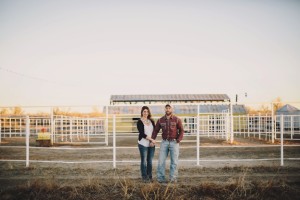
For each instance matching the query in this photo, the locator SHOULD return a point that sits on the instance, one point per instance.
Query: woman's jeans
(166, 147)
(147, 154)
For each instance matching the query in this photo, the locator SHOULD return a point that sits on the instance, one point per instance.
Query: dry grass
(124, 188)
(242, 183)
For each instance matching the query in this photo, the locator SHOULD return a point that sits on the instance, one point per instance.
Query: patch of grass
(125, 188)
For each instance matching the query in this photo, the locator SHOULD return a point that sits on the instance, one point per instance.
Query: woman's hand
(152, 144)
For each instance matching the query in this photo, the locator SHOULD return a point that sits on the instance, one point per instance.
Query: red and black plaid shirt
(171, 128)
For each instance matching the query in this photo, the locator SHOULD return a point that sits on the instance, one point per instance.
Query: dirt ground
(218, 165)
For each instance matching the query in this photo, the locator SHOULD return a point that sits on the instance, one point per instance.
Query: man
(172, 134)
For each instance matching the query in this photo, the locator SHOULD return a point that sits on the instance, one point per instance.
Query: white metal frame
(226, 118)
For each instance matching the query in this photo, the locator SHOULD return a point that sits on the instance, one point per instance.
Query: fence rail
(76, 129)
(87, 130)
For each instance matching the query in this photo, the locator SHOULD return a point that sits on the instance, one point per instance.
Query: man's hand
(152, 144)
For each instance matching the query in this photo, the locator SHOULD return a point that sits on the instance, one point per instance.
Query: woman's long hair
(146, 108)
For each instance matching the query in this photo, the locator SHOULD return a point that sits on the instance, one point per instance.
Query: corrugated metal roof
(288, 110)
(239, 109)
(169, 97)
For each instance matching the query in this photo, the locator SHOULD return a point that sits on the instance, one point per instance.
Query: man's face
(168, 110)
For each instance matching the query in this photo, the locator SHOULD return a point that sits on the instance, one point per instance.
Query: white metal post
(275, 127)
(114, 141)
(27, 140)
(208, 125)
(259, 122)
(16, 119)
(71, 129)
(61, 129)
(265, 128)
(214, 120)
(198, 136)
(20, 128)
(88, 129)
(227, 126)
(106, 126)
(248, 125)
(231, 123)
(81, 130)
(0, 129)
(281, 139)
(52, 126)
(10, 127)
(36, 126)
(272, 123)
(240, 131)
(77, 126)
(292, 126)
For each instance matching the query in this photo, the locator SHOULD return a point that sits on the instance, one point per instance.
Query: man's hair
(168, 105)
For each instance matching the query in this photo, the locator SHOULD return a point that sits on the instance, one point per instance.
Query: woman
(145, 126)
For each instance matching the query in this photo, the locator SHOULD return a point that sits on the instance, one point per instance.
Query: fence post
(275, 127)
(27, 140)
(52, 126)
(215, 126)
(259, 124)
(20, 128)
(265, 128)
(71, 129)
(77, 126)
(10, 127)
(61, 128)
(114, 141)
(198, 136)
(281, 139)
(231, 123)
(36, 125)
(292, 126)
(106, 126)
(0, 129)
(248, 125)
(240, 131)
(88, 129)
(227, 126)
(272, 124)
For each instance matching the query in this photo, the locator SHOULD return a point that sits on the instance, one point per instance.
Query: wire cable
(36, 78)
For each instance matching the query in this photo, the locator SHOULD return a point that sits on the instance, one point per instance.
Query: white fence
(85, 130)
(62, 128)
(267, 127)
(96, 130)
(79, 130)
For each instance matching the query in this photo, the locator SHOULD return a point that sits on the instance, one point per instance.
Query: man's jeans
(166, 147)
(147, 154)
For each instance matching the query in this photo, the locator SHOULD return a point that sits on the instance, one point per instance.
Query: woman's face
(145, 113)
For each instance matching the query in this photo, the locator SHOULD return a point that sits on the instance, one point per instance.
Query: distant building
(168, 98)
(119, 103)
(291, 119)
(288, 110)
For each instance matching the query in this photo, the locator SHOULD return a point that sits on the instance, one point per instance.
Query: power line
(35, 78)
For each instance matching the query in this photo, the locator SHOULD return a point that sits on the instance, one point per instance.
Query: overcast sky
(81, 52)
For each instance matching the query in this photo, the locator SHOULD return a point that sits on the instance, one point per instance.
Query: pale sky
(81, 52)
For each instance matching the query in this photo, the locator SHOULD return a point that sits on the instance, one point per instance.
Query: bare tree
(277, 104)
(95, 112)
(4, 111)
(263, 109)
(17, 111)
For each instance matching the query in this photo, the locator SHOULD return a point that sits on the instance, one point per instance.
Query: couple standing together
(172, 134)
